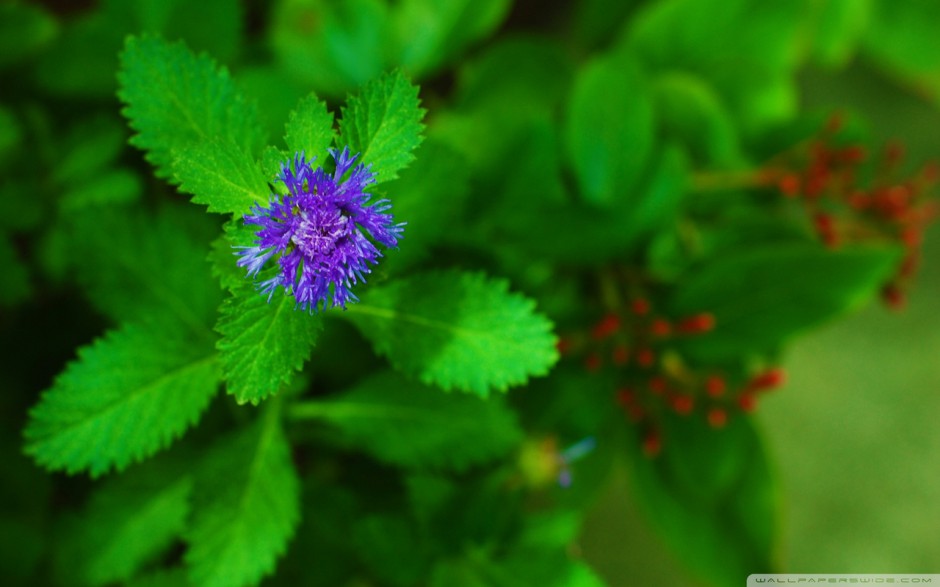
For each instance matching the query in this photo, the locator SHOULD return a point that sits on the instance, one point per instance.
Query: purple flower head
(319, 232)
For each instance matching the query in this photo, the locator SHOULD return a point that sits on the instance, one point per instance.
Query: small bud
(852, 154)
(747, 402)
(893, 297)
(640, 307)
(657, 385)
(767, 380)
(563, 346)
(625, 396)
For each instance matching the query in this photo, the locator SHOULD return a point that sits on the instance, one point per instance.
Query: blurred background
(855, 433)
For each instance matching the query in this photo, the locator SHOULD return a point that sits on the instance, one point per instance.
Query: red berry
(747, 402)
(682, 404)
(697, 324)
(660, 328)
(640, 307)
(563, 346)
(645, 358)
(892, 295)
(789, 185)
(715, 386)
(768, 380)
(657, 385)
(625, 396)
(652, 444)
(717, 417)
(607, 326)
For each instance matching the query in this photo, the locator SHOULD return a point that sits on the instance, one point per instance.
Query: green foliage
(127, 396)
(714, 499)
(609, 129)
(399, 421)
(175, 99)
(762, 297)
(618, 168)
(263, 343)
(247, 506)
(383, 123)
(310, 129)
(128, 523)
(457, 331)
(221, 176)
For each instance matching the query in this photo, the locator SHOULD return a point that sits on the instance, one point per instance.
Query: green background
(854, 433)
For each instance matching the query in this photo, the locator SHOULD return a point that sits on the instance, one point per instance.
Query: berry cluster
(652, 376)
(852, 199)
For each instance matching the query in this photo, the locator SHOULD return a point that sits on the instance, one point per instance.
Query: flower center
(316, 232)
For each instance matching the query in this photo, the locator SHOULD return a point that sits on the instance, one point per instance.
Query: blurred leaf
(747, 48)
(383, 123)
(431, 33)
(221, 176)
(84, 60)
(163, 578)
(127, 396)
(609, 129)
(10, 133)
(762, 296)
(314, 40)
(408, 424)
(389, 547)
(129, 522)
(89, 148)
(901, 39)
(15, 286)
(263, 343)
(25, 29)
(310, 129)
(596, 22)
(457, 330)
(275, 92)
(690, 112)
(175, 99)
(247, 507)
(114, 187)
(838, 28)
(430, 196)
(712, 497)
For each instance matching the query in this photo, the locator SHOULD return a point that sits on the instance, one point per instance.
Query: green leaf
(900, 39)
(24, 30)
(457, 330)
(135, 264)
(310, 129)
(314, 39)
(263, 344)
(15, 285)
(383, 123)
(763, 296)
(402, 422)
(247, 507)
(691, 112)
(129, 522)
(221, 176)
(89, 148)
(163, 578)
(609, 129)
(447, 28)
(127, 396)
(174, 99)
(712, 496)
(838, 27)
(115, 187)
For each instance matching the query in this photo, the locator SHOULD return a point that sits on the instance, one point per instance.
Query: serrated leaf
(406, 423)
(130, 520)
(263, 344)
(221, 176)
(135, 264)
(457, 330)
(247, 508)
(310, 129)
(383, 123)
(175, 99)
(127, 396)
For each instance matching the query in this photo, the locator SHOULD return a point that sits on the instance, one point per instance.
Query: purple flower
(320, 232)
